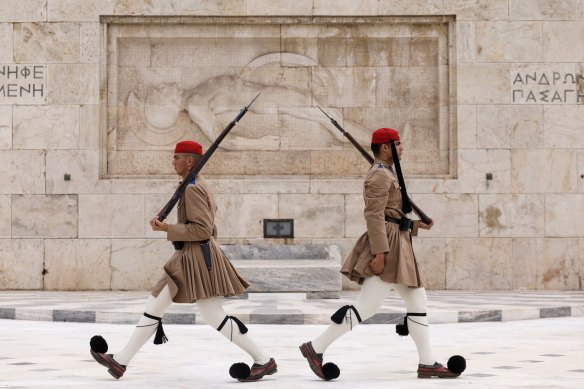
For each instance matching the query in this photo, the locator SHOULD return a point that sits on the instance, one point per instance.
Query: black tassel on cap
(160, 335)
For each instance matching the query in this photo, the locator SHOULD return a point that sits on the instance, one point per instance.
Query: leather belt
(404, 223)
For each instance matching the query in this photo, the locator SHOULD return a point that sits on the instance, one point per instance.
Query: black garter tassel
(160, 335)
(340, 314)
(402, 329)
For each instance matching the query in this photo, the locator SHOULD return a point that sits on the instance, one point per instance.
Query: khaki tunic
(382, 196)
(185, 272)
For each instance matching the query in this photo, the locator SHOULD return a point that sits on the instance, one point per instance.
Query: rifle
(425, 218)
(193, 173)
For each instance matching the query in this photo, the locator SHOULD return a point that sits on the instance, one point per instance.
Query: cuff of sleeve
(171, 234)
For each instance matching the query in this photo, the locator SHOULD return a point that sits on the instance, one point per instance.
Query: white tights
(211, 310)
(373, 292)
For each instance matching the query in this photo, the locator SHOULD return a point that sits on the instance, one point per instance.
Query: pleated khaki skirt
(401, 266)
(189, 280)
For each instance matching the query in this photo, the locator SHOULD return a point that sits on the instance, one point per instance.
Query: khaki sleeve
(376, 189)
(201, 223)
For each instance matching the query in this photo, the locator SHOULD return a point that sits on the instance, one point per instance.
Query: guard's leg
(147, 326)
(373, 292)
(417, 302)
(230, 327)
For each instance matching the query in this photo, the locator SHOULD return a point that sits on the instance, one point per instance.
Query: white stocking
(213, 313)
(373, 292)
(156, 306)
(416, 302)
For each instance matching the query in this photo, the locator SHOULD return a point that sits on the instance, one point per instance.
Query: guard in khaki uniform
(198, 272)
(383, 259)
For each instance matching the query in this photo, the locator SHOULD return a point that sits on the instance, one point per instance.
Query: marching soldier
(198, 272)
(381, 260)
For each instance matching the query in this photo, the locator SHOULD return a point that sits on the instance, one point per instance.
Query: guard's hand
(425, 226)
(377, 263)
(158, 225)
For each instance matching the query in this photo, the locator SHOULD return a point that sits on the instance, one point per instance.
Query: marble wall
(488, 95)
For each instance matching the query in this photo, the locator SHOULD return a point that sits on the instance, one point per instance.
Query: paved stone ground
(544, 353)
(443, 307)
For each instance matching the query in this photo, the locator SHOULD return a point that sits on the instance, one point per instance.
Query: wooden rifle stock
(163, 214)
(425, 218)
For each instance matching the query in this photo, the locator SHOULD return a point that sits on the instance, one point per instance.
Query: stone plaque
(167, 81)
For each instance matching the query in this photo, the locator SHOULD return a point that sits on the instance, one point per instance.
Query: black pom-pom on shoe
(239, 371)
(330, 371)
(98, 344)
(456, 364)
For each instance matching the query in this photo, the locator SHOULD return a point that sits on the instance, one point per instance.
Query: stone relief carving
(163, 88)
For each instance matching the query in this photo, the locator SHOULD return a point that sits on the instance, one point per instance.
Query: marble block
(275, 252)
(544, 171)
(46, 42)
(89, 134)
(21, 263)
(111, 216)
(504, 41)
(23, 11)
(431, 256)
(79, 10)
(89, 41)
(206, 7)
(454, 215)
(545, 9)
(551, 264)
(73, 84)
(17, 177)
(477, 9)
(315, 215)
(6, 43)
(137, 264)
(482, 83)
(563, 215)
(82, 166)
(45, 127)
(240, 216)
(563, 126)
(555, 36)
(466, 42)
(5, 216)
(5, 127)
(355, 224)
(278, 7)
(467, 126)
(80, 264)
(504, 126)
(479, 264)
(44, 216)
(474, 165)
(147, 7)
(345, 7)
(411, 7)
(505, 215)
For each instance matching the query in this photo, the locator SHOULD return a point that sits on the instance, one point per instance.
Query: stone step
(311, 269)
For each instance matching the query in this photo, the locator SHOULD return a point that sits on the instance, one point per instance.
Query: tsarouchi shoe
(107, 360)
(259, 371)
(435, 370)
(314, 359)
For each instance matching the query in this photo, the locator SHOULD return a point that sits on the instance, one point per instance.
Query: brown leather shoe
(107, 360)
(314, 359)
(259, 371)
(435, 370)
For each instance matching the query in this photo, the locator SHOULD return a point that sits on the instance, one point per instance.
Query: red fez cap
(384, 135)
(188, 146)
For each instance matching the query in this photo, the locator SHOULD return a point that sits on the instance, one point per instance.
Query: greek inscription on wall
(547, 87)
(23, 84)
(168, 82)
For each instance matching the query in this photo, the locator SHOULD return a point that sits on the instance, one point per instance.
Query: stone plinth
(311, 269)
